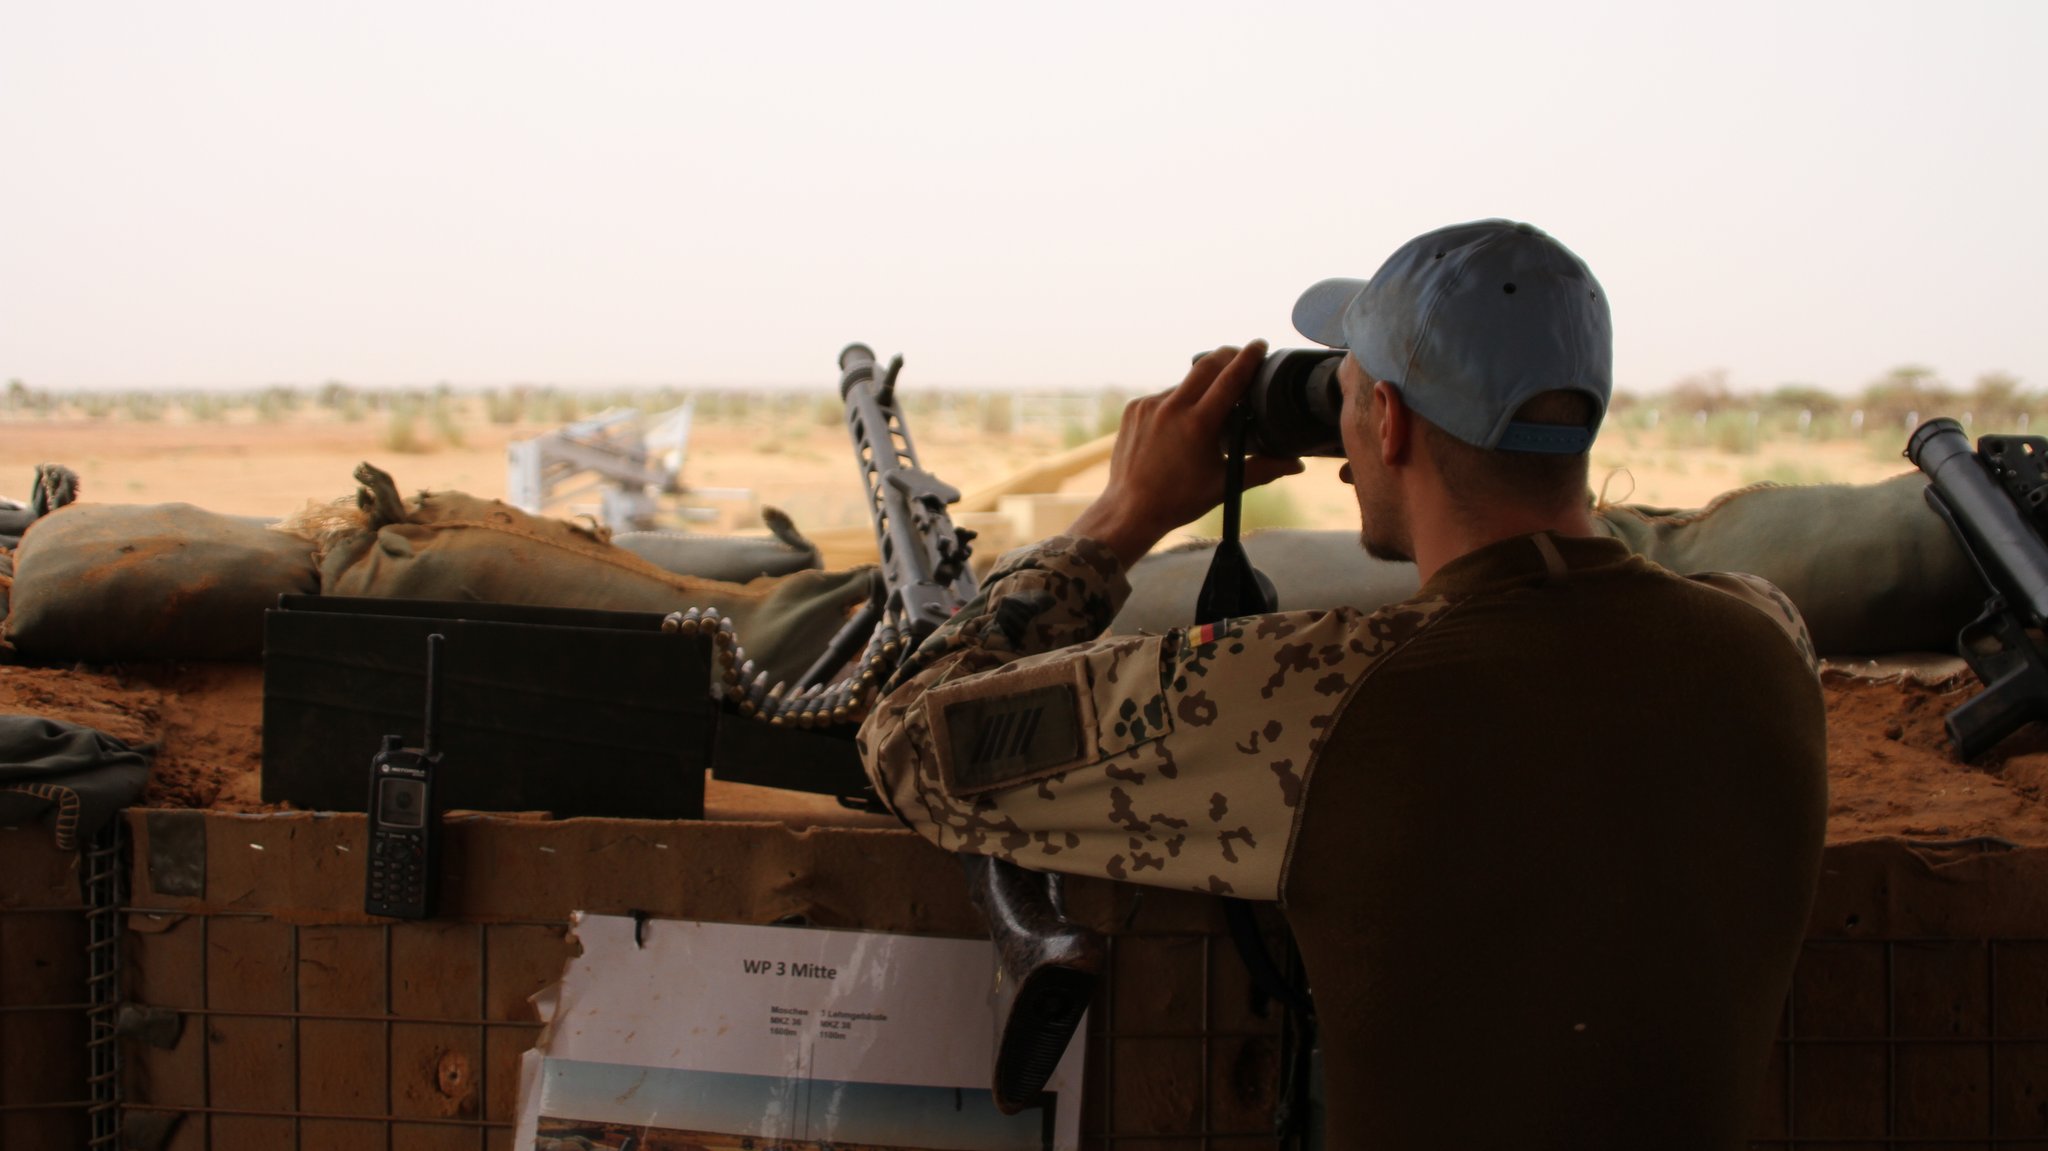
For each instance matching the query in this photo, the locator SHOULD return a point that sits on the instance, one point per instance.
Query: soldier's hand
(1168, 468)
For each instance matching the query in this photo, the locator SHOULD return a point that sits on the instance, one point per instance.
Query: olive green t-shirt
(1556, 861)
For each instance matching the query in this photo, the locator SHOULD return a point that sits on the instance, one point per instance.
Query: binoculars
(1292, 407)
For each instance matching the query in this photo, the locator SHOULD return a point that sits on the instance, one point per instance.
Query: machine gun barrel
(924, 556)
(1049, 964)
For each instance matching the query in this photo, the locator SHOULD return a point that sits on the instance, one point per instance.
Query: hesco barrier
(306, 1024)
(262, 1009)
(45, 1011)
(1918, 1015)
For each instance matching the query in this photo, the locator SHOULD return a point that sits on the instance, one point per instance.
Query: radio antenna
(434, 643)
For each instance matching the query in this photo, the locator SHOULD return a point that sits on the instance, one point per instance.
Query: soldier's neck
(1442, 533)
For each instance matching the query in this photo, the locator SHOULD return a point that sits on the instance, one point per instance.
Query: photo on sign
(593, 1106)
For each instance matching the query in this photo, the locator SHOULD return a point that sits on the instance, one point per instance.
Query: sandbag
(77, 776)
(1870, 566)
(110, 582)
(735, 559)
(457, 547)
(13, 522)
(6, 580)
(1309, 569)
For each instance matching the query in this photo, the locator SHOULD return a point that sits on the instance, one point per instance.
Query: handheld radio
(403, 873)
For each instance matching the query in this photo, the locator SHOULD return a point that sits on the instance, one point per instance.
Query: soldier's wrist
(1111, 525)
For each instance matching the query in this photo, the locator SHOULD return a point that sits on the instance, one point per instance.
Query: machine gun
(924, 557)
(1996, 501)
(1048, 965)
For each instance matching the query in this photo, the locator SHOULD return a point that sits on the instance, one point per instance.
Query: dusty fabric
(75, 776)
(113, 582)
(55, 486)
(733, 558)
(456, 547)
(1871, 566)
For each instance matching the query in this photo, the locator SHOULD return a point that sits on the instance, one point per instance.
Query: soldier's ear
(1396, 423)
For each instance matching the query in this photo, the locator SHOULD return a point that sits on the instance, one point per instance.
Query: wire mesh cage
(248, 1016)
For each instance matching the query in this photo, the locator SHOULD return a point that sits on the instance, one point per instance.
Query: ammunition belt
(737, 680)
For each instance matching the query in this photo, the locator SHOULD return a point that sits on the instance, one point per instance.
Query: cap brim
(1319, 313)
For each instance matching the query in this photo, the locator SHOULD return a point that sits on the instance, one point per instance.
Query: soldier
(1547, 832)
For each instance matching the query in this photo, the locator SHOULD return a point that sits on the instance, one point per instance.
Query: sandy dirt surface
(205, 721)
(1891, 771)
(270, 469)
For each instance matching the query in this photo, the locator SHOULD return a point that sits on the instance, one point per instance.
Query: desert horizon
(271, 452)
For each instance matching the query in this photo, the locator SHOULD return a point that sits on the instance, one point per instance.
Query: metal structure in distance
(629, 468)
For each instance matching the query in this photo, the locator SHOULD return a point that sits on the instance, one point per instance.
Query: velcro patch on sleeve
(1002, 731)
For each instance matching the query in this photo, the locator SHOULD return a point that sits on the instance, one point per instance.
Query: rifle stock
(1047, 965)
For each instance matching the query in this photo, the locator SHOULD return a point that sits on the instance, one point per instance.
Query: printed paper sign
(669, 1034)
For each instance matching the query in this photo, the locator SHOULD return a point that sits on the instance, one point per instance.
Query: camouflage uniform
(1177, 760)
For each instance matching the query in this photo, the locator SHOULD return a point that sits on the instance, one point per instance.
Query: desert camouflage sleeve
(1177, 760)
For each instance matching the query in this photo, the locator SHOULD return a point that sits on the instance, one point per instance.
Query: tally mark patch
(996, 741)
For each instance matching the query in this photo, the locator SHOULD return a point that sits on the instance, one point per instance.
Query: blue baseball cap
(1471, 321)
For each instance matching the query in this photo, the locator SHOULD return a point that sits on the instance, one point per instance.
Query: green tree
(1996, 399)
(1907, 392)
(1796, 398)
(1701, 392)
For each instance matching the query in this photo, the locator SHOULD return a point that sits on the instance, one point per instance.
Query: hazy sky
(1025, 193)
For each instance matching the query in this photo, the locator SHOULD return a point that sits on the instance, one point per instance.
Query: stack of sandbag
(452, 546)
(1871, 566)
(110, 582)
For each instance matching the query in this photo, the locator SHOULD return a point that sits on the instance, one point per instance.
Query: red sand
(1891, 770)
(1889, 760)
(206, 720)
